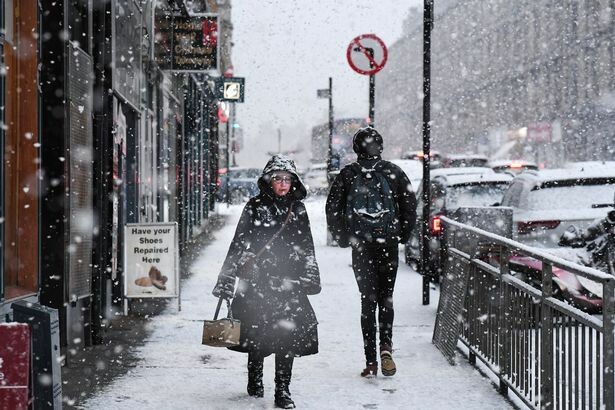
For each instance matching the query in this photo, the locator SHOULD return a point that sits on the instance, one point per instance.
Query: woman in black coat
(271, 296)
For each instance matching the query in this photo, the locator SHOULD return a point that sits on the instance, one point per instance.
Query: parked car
(464, 160)
(418, 155)
(545, 203)
(413, 170)
(452, 188)
(512, 166)
(590, 165)
(315, 179)
(243, 184)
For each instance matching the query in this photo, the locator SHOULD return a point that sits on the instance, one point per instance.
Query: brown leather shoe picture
(143, 281)
(158, 279)
(155, 278)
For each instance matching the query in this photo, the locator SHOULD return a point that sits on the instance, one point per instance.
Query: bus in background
(343, 131)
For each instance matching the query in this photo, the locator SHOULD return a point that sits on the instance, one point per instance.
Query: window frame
(2, 110)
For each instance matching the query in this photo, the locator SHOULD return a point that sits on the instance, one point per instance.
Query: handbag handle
(228, 306)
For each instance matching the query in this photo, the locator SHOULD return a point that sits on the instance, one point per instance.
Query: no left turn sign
(367, 54)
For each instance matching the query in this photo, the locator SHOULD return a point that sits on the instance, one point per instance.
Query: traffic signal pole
(425, 251)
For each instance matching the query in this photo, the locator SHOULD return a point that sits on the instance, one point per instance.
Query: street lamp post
(425, 251)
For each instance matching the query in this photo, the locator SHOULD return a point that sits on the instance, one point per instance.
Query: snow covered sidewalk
(177, 372)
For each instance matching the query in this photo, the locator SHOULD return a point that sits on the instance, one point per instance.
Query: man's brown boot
(370, 371)
(388, 365)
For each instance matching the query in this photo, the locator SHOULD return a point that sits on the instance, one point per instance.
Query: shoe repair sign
(151, 260)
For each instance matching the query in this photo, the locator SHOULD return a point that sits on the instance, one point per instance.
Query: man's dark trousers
(375, 269)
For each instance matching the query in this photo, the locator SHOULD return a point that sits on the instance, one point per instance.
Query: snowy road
(177, 372)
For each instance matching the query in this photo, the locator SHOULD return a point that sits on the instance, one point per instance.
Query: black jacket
(271, 303)
(338, 196)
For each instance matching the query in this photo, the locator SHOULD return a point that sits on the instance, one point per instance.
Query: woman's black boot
(283, 374)
(255, 376)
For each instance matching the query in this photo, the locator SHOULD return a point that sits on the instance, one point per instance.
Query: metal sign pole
(425, 254)
(372, 97)
(372, 88)
(232, 135)
(228, 160)
(330, 158)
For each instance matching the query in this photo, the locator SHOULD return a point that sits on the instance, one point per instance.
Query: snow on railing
(550, 353)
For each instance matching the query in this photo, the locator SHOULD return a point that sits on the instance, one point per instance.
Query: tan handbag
(221, 332)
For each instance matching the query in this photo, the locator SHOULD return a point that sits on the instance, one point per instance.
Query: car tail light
(435, 225)
(531, 226)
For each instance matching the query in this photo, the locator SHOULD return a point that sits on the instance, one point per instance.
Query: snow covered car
(452, 188)
(464, 160)
(413, 170)
(241, 185)
(545, 203)
(577, 290)
(315, 179)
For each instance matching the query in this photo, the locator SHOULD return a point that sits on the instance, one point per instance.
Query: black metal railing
(551, 354)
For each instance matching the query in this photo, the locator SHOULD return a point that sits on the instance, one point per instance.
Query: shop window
(20, 153)
(2, 75)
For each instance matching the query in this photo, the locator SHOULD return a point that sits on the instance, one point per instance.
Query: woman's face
(281, 183)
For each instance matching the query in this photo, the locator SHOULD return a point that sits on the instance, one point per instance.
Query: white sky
(286, 50)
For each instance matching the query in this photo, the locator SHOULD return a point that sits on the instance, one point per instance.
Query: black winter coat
(403, 196)
(272, 305)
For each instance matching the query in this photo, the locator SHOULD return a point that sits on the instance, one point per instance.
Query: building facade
(95, 135)
(540, 71)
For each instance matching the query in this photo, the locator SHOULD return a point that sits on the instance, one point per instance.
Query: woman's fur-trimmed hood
(282, 163)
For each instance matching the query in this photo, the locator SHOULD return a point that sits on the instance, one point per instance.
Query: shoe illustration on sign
(155, 278)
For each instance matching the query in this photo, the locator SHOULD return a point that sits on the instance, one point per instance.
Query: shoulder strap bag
(221, 332)
(246, 269)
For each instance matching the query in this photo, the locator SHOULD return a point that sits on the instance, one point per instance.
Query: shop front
(20, 164)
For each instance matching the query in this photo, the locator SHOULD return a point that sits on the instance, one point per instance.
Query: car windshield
(571, 197)
(467, 162)
(483, 194)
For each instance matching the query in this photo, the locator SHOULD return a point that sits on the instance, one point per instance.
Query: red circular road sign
(367, 54)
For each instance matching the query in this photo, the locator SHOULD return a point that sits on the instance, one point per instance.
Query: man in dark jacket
(372, 207)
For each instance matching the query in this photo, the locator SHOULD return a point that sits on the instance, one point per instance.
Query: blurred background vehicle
(452, 188)
(413, 169)
(242, 184)
(435, 157)
(546, 202)
(343, 131)
(590, 165)
(464, 160)
(315, 179)
(593, 247)
(512, 166)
